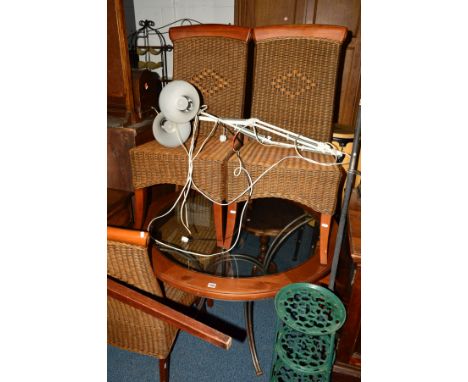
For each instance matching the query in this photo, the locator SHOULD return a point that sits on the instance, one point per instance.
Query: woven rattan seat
(213, 58)
(294, 81)
(294, 179)
(153, 164)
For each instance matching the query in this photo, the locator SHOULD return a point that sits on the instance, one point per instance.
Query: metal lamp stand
(350, 177)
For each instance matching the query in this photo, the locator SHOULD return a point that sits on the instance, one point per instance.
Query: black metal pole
(344, 210)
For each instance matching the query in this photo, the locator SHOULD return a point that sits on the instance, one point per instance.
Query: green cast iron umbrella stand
(308, 319)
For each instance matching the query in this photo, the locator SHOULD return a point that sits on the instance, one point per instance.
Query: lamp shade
(168, 133)
(179, 101)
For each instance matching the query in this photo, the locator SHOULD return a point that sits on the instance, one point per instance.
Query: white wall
(163, 12)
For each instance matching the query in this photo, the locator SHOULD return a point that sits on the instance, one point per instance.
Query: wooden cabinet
(120, 139)
(254, 13)
(130, 98)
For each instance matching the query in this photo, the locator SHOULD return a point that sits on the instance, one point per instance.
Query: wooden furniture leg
(350, 333)
(264, 240)
(141, 199)
(230, 224)
(209, 302)
(263, 247)
(219, 228)
(164, 370)
(325, 221)
(218, 222)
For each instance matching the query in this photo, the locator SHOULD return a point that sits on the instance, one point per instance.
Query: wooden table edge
(240, 289)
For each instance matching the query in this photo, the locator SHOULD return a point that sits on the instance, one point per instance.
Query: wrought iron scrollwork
(140, 45)
(154, 55)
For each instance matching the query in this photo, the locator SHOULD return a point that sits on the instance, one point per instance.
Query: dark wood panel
(346, 13)
(244, 13)
(301, 12)
(119, 92)
(119, 208)
(146, 87)
(349, 88)
(119, 141)
(266, 12)
(339, 12)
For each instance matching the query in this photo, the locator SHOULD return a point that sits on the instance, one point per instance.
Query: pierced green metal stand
(308, 318)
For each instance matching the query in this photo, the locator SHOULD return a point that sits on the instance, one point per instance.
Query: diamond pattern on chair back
(295, 80)
(215, 62)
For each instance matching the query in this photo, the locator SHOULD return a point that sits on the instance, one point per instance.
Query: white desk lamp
(180, 103)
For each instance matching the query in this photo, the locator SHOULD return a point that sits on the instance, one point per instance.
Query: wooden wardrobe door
(257, 13)
(348, 14)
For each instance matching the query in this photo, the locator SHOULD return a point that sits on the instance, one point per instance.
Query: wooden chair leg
(218, 222)
(230, 225)
(325, 221)
(164, 370)
(141, 198)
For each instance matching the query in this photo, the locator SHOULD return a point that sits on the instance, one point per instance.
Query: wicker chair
(214, 59)
(138, 316)
(294, 81)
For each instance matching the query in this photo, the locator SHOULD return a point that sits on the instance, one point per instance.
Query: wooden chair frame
(157, 309)
(260, 34)
(168, 314)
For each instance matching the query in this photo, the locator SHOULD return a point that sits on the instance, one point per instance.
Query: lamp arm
(300, 142)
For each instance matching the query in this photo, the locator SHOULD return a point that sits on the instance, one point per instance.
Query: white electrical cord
(185, 192)
(238, 232)
(237, 171)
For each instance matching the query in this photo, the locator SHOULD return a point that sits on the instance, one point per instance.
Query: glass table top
(197, 250)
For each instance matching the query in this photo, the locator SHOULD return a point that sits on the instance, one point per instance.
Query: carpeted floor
(195, 360)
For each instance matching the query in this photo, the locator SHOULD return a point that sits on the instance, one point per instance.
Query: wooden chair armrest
(167, 314)
(129, 236)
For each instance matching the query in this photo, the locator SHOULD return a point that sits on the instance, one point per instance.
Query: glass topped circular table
(237, 275)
